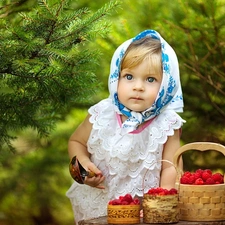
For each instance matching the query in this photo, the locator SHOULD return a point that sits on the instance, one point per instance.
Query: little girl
(133, 130)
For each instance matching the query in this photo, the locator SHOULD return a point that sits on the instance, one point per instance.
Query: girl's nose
(138, 86)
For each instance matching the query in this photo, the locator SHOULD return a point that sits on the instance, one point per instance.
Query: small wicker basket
(201, 202)
(123, 214)
(160, 209)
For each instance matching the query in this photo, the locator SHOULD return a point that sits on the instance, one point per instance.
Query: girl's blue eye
(129, 76)
(150, 79)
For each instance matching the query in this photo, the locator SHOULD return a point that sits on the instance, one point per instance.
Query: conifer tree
(46, 67)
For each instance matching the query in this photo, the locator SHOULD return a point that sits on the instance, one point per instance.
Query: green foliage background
(34, 178)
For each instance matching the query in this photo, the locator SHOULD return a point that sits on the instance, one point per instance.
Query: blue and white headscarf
(170, 93)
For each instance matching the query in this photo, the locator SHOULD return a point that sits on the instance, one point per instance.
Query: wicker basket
(123, 214)
(201, 202)
(160, 209)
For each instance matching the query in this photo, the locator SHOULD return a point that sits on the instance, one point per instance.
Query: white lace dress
(128, 162)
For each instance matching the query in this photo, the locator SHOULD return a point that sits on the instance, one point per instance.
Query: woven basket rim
(123, 206)
(203, 185)
(162, 196)
(199, 188)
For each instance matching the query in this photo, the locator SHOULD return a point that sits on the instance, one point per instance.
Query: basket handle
(201, 146)
(162, 160)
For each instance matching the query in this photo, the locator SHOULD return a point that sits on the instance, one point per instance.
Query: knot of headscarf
(170, 93)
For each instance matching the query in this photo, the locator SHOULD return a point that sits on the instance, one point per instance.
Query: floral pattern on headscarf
(170, 93)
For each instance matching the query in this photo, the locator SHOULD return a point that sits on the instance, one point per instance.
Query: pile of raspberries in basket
(202, 177)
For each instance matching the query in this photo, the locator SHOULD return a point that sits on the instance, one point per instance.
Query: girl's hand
(141, 213)
(95, 181)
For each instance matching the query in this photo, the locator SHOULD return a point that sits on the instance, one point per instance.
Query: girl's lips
(137, 98)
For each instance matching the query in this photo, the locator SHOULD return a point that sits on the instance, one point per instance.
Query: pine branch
(47, 67)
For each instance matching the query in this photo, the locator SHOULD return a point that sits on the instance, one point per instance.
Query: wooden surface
(103, 221)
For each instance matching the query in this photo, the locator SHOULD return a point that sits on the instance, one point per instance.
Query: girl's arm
(168, 172)
(77, 146)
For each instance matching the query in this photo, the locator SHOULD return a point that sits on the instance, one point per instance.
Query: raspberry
(121, 198)
(187, 174)
(136, 201)
(110, 202)
(167, 192)
(116, 202)
(128, 198)
(199, 181)
(125, 203)
(151, 191)
(210, 181)
(184, 180)
(197, 175)
(187, 178)
(208, 171)
(191, 179)
(200, 171)
(206, 175)
(173, 191)
(218, 177)
(159, 189)
(162, 193)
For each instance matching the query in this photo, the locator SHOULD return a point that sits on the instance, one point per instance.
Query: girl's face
(138, 86)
